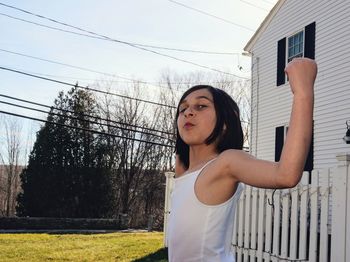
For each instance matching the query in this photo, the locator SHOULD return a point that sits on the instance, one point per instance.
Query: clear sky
(163, 23)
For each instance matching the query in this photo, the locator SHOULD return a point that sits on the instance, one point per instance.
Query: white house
(294, 28)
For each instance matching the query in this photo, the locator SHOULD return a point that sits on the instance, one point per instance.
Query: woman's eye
(182, 110)
(201, 106)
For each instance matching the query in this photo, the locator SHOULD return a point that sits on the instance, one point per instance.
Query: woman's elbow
(288, 180)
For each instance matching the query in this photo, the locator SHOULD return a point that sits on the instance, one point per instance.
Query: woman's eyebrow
(198, 97)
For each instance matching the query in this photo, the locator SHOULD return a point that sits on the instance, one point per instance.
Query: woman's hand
(301, 73)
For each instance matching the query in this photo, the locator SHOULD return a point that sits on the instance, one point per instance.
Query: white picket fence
(310, 222)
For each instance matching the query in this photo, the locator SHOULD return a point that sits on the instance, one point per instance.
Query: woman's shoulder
(232, 155)
(230, 158)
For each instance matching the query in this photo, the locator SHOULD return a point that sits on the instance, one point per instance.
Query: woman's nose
(188, 112)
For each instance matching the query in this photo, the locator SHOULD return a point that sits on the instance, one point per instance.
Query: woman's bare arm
(288, 171)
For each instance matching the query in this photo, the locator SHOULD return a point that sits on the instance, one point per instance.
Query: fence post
(341, 211)
(168, 188)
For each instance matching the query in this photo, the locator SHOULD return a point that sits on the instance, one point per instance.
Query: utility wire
(123, 42)
(95, 71)
(76, 67)
(214, 16)
(251, 4)
(84, 129)
(98, 36)
(85, 88)
(85, 120)
(269, 2)
(86, 115)
(89, 89)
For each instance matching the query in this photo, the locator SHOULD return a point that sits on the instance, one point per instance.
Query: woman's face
(197, 117)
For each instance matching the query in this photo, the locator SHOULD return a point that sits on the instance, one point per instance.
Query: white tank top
(196, 231)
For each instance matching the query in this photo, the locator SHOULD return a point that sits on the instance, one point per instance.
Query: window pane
(290, 51)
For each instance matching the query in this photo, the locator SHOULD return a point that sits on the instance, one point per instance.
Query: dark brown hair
(227, 114)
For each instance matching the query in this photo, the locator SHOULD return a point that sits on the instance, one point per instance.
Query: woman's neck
(200, 155)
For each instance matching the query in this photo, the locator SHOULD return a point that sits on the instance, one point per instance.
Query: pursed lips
(188, 125)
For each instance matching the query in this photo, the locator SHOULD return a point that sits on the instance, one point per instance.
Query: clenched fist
(302, 74)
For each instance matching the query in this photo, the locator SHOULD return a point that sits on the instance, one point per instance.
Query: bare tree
(10, 159)
(137, 168)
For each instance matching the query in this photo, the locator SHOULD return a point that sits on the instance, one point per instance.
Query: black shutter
(279, 141)
(309, 164)
(310, 41)
(281, 61)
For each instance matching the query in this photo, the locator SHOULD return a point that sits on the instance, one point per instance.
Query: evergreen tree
(64, 176)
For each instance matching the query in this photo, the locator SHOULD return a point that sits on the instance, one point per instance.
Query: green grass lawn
(83, 247)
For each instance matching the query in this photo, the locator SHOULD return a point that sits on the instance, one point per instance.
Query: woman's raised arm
(288, 171)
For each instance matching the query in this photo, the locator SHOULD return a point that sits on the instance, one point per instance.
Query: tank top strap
(207, 163)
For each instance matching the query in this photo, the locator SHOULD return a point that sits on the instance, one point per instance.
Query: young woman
(210, 165)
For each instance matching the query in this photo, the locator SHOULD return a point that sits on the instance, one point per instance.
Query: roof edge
(249, 46)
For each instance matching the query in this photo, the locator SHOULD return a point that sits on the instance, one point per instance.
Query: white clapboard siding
(271, 105)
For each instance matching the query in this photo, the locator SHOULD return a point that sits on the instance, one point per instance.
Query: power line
(95, 71)
(68, 65)
(84, 129)
(214, 16)
(259, 7)
(86, 115)
(123, 42)
(106, 37)
(85, 120)
(271, 3)
(85, 88)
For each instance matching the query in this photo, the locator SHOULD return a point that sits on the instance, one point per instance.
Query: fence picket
(235, 233)
(294, 224)
(304, 199)
(261, 225)
(247, 223)
(268, 225)
(276, 225)
(324, 195)
(241, 225)
(314, 217)
(254, 230)
(285, 223)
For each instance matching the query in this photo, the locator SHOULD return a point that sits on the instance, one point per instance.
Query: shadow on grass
(160, 255)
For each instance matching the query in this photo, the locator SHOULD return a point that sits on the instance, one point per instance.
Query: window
(296, 46)
(301, 44)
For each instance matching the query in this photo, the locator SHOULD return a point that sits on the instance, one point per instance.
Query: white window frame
(288, 59)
